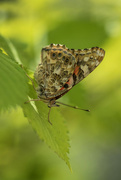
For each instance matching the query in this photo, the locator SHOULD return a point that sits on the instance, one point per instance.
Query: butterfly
(61, 69)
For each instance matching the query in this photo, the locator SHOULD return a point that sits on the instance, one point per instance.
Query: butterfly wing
(58, 65)
(62, 68)
(87, 61)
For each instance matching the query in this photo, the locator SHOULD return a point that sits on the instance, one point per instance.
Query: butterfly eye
(53, 55)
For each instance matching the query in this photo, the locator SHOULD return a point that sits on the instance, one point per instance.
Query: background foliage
(95, 151)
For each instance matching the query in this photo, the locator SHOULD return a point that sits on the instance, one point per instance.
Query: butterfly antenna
(49, 116)
(75, 107)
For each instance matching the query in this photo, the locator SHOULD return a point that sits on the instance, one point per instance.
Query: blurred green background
(95, 151)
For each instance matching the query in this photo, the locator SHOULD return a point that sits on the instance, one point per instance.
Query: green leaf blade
(14, 91)
(5, 44)
(14, 88)
(55, 135)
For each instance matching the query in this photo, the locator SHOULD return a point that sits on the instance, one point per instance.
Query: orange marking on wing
(62, 88)
(70, 83)
(76, 70)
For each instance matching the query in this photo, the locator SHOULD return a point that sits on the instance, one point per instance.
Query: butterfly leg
(50, 105)
(49, 116)
(32, 100)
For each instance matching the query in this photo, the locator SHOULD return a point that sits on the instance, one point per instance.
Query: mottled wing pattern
(87, 61)
(62, 68)
(58, 64)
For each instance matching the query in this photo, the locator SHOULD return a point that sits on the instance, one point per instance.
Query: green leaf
(55, 135)
(9, 48)
(13, 83)
(24, 52)
(14, 91)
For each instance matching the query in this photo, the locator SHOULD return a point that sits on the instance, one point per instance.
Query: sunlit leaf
(7, 46)
(14, 92)
(55, 135)
(13, 83)
(24, 52)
